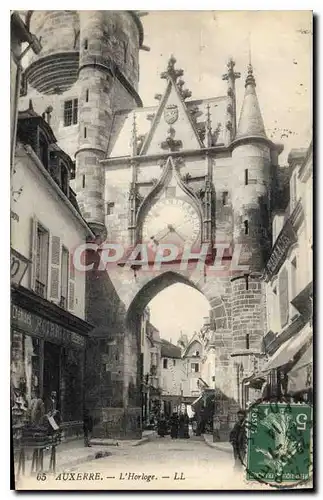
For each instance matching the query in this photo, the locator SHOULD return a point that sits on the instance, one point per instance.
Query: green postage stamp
(279, 443)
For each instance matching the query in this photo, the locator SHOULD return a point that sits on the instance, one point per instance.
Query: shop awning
(203, 384)
(287, 351)
(203, 399)
(256, 381)
(197, 402)
(300, 377)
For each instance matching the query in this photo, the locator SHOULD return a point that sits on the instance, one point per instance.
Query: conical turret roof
(250, 123)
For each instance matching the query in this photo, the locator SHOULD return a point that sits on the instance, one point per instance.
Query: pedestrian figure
(238, 439)
(183, 426)
(162, 426)
(51, 407)
(174, 424)
(87, 427)
(216, 428)
(186, 425)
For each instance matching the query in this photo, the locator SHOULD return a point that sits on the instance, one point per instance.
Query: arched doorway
(167, 327)
(116, 374)
(189, 370)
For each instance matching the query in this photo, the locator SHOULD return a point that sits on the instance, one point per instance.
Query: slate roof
(169, 350)
(250, 123)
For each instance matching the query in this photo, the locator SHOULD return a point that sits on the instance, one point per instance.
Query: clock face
(171, 220)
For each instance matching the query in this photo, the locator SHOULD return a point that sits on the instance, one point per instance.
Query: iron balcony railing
(63, 302)
(40, 288)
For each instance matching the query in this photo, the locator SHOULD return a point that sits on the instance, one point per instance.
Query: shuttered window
(283, 297)
(55, 268)
(71, 284)
(64, 278)
(39, 258)
(33, 250)
(42, 241)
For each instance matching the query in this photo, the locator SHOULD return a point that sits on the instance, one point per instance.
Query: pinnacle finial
(231, 64)
(250, 80)
(208, 117)
(231, 74)
(208, 127)
(134, 136)
(171, 72)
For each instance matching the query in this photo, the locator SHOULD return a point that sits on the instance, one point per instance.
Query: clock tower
(180, 172)
(188, 177)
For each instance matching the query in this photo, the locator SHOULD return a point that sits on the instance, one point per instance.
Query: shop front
(48, 348)
(288, 372)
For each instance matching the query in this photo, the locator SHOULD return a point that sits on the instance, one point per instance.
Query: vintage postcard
(161, 250)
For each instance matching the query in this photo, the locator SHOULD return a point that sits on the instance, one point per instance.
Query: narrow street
(161, 463)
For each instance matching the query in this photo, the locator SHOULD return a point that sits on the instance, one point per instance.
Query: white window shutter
(33, 251)
(283, 297)
(71, 284)
(54, 291)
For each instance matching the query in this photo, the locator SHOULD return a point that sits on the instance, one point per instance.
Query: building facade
(48, 328)
(289, 340)
(151, 372)
(185, 172)
(173, 377)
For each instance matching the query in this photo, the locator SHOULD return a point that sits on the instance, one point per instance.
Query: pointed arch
(160, 186)
(152, 288)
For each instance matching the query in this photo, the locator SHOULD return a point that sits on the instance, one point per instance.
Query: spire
(250, 122)
(250, 80)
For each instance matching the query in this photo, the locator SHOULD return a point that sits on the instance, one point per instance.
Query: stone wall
(248, 314)
(48, 23)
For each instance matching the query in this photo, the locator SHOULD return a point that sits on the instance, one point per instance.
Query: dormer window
(64, 178)
(43, 149)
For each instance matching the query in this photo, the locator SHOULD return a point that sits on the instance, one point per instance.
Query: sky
(202, 41)
(178, 308)
(279, 44)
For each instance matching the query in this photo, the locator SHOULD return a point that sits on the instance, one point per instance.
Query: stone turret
(251, 155)
(250, 123)
(87, 70)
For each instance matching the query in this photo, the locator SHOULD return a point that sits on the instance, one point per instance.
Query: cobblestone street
(157, 464)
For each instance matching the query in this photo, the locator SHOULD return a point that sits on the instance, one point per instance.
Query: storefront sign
(77, 339)
(286, 238)
(43, 328)
(18, 267)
